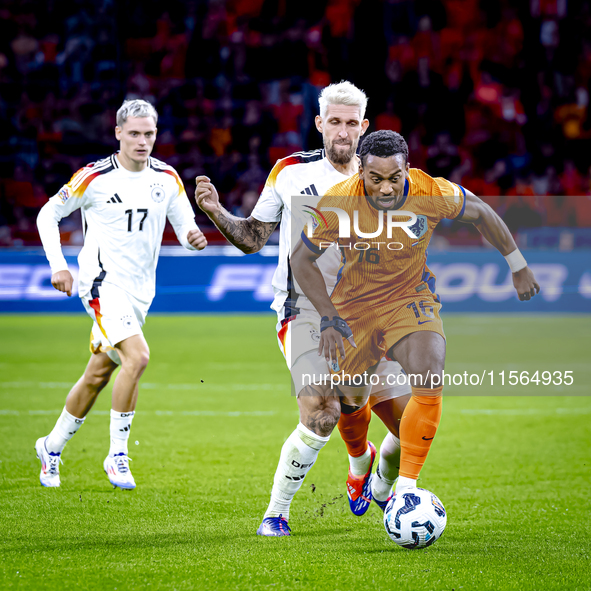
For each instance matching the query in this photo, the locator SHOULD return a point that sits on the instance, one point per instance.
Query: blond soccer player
(341, 121)
(125, 200)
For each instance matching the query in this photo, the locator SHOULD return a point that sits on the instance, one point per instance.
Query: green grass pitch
(511, 465)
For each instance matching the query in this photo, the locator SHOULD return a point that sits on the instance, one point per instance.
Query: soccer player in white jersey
(341, 122)
(124, 200)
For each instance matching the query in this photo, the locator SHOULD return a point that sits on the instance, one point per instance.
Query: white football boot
(117, 469)
(50, 464)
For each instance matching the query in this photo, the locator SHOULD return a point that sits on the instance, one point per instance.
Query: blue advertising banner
(224, 280)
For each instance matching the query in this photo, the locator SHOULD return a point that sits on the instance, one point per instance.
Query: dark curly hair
(383, 144)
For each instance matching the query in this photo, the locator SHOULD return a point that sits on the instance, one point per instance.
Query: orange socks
(417, 429)
(418, 426)
(353, 428)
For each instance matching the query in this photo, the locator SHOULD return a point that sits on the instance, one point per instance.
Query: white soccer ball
(415, 518)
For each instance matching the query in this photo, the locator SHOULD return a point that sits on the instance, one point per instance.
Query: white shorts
(298, 337)
(117, 316)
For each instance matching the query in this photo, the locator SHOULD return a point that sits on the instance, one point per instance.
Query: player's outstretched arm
(494, 229)
(247, 234)
(310, 279)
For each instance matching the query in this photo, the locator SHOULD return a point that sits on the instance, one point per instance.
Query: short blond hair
(342, 93)
(135, 108)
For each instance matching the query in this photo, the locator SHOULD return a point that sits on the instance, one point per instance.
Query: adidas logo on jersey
(311, 190)
(115, 199)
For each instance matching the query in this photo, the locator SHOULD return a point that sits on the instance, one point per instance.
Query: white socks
(389, 464)
(298, 455)
(360, 465)
(67, 425)
(404, 482)
(64, 430)
(120, 430)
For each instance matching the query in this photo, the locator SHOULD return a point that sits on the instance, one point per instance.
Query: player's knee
(137, 362)
(323, 418)
(143, 360)
(140, 362)
(331, 418)
(328, 416)
(423, 378)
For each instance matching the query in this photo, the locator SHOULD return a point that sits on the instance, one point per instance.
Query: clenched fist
(525, 284)
(63, 281)
(197, 239)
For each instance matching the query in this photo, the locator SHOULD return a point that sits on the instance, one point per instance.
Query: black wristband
(338, 324)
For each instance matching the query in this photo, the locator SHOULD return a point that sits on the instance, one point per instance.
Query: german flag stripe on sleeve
(178, 180)
(296, 158)
(83, 177)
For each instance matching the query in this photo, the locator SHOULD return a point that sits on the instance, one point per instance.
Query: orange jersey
(391, 264)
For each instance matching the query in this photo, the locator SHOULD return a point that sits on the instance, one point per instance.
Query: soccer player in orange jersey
(307, 175)
(383, 218)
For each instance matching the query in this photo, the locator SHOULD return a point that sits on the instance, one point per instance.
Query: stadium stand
(489, 94)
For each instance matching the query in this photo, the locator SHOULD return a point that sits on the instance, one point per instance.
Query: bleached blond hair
(342, 93)
(135, 108)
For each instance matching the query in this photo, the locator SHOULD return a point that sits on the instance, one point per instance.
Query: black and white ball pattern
(415, 518)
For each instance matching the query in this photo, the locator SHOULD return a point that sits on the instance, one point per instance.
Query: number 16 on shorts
(423, 312)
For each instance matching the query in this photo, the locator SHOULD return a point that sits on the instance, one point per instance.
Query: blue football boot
(274, 526)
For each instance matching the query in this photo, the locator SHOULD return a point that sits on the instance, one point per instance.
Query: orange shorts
(377, 329)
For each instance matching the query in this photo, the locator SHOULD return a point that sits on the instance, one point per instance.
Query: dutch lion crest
(419, 228)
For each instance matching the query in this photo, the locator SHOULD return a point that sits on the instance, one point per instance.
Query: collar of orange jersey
(398, 205)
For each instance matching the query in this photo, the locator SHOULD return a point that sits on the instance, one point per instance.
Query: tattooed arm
(247, 234)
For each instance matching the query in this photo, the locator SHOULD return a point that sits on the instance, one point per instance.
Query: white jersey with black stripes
(309, 174)
(124, 214)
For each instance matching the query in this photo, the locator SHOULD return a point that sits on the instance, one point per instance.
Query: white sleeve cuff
(182, 235)
(58, 264)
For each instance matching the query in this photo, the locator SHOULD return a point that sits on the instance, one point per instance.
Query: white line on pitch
(265, 413)
(13, 385)
(159, 413)
(149, 386)
(525, 411)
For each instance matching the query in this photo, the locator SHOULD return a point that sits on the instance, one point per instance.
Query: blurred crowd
(493, 95)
